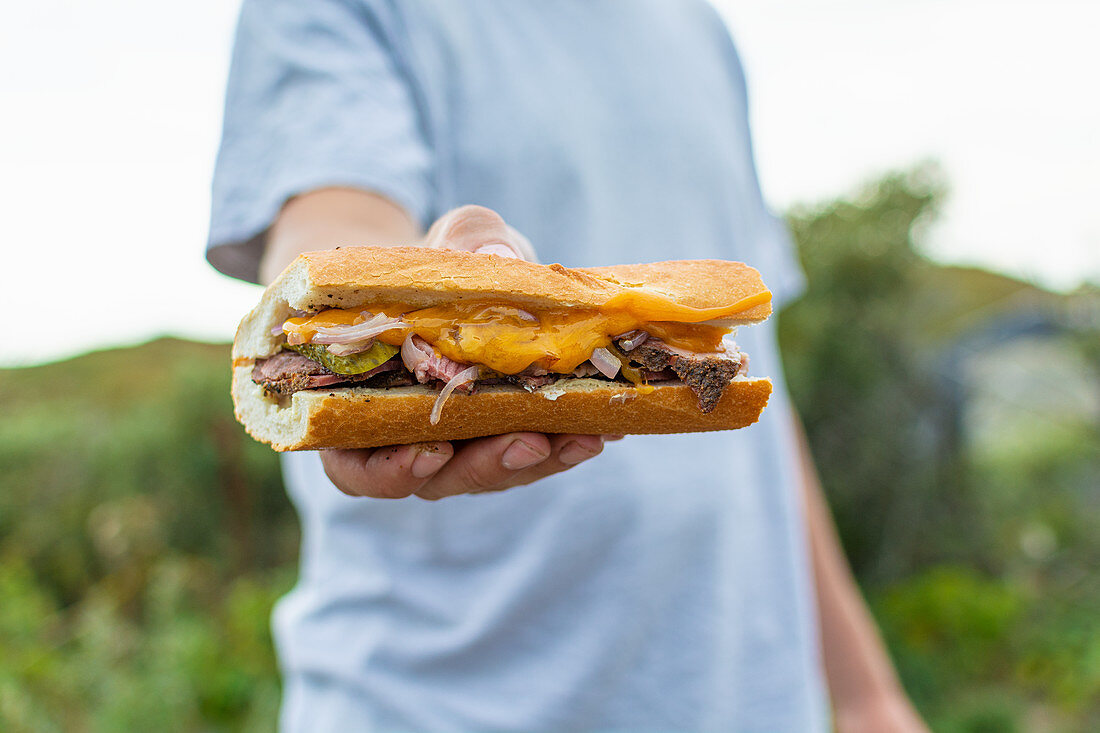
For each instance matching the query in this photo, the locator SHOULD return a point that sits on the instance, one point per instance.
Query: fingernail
(498, 249)
(574, 453)
(520, 455)
(612, 437)
(428, 461)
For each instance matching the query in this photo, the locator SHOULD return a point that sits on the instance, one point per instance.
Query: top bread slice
(351, 277)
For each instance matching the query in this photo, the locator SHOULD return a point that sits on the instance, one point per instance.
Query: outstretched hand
(436, 470)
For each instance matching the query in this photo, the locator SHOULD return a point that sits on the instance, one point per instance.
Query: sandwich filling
(464, 344)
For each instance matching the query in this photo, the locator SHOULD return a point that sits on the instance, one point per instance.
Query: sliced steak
(531, 382)
(708, 375)
(288, 372)
(586, 369)
(531, 378)
(398, 377)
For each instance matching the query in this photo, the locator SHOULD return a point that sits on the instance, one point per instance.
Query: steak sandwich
(359, 347)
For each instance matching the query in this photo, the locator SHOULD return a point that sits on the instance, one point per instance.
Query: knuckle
(593, 444)
(334, 467)
(388, 473)
(389, 490)
(476, 476)
(345, 490)
(470, 226)
(382, 474)
(482, 214)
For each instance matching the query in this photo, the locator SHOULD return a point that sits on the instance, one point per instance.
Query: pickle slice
(364, 361)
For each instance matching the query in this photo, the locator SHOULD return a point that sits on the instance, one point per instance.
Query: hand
(880, 714)
(435, 470)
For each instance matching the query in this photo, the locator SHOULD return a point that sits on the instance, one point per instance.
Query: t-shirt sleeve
(315, 98)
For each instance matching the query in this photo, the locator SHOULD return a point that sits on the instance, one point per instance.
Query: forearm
(862, 682)
(331, 217)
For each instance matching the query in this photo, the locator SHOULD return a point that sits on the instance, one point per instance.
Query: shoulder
(319, 16)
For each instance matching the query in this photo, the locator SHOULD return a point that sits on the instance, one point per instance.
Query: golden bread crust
(356, 417)
(423, 277)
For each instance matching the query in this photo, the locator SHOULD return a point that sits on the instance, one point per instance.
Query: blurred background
(937, 164)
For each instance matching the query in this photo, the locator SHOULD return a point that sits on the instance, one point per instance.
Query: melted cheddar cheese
(508, 339)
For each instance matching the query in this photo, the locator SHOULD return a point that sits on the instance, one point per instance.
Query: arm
(332, 216)
(866, 694)
(329, 217)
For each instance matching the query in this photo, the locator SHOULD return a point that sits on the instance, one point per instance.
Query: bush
(143, 540)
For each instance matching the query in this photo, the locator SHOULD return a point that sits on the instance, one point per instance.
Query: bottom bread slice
(359, 417)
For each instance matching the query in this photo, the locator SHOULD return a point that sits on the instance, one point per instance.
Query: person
(687, 582)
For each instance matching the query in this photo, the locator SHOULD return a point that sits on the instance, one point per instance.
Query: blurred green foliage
(144, 538)
(143, 541)
(954, 416)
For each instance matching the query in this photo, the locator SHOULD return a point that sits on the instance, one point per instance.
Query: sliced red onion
(413, 351)
(606, 362)
(527, 315)
(357, 332)
(348, 349)
(494, 312)
(463, 377)
(277, 331)
(633, 340)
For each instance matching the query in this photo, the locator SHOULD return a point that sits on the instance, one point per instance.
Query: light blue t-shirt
(663, 586)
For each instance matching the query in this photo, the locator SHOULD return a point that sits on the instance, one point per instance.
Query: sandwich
(359, 347)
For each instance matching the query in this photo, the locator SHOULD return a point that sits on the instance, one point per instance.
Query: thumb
(503, 250)
(478, 229)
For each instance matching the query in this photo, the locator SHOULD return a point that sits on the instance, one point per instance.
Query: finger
(393, 472)
(497, 249)
(469, 228)
(487, 464)
(566, 451)
(478, 229)
(574, 449)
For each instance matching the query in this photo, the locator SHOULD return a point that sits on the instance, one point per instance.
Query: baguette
(363, 416)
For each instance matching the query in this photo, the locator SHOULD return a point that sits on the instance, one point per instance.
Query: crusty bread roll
(359, 417)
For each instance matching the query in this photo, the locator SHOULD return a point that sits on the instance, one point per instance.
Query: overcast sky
(112, 112)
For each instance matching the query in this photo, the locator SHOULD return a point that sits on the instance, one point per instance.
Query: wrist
(882, 711)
